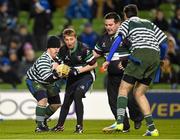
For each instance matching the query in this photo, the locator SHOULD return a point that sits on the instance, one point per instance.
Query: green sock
(48, 112)
(121, 108)
(149, 122)
(40, 114)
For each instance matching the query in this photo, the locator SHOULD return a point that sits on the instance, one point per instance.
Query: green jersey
(141, 33)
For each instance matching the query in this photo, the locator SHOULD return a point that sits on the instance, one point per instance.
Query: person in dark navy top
(81, 76)
(115, 71)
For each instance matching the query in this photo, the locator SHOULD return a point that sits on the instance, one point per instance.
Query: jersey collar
(134, 18)
(49, 56)
(75, 48)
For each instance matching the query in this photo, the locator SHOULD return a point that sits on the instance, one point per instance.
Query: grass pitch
(24, 129)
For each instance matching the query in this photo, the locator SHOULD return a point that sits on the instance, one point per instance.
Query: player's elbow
(92, 62)
(95, 65)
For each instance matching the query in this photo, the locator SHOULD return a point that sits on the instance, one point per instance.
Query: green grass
(24, 129)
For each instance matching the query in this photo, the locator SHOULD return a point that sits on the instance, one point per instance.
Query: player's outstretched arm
(114, 47)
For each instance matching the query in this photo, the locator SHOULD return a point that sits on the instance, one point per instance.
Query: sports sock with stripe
(149, 122)
(121, 108)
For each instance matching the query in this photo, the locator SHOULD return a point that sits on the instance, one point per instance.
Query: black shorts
(132, 80)
(54, 100)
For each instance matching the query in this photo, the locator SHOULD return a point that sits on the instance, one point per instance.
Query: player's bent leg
(83, 85)
(68, 99)
(139, 93)
(140, 90)
(122, 100)
(54, 104)
(40, 116)
(50, 110)
(134, 111)
(121, 106)
(79, 111)
(125, 88)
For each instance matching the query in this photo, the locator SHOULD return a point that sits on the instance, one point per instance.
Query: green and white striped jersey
(41, 69)
(141, 33)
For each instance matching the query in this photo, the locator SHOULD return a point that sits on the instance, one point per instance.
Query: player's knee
(123, 91)
(125, 88)
(80, 92)
(40, 95)
(42, 102)
(140, 90)
(55, 106)
(138, 94)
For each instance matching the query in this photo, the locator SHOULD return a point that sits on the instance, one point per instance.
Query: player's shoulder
(84, 48)
(104, 37)
(137, 19)
(43, 58)
(126, 21)
(146, 20)
(63, 49)
(82, 45)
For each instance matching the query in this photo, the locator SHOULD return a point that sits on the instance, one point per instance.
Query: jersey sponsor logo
(67, 58)
(103, 44)
(82, 87)
(79, 58)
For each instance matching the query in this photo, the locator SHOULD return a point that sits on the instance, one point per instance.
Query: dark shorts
(40, 91)
(150, 60)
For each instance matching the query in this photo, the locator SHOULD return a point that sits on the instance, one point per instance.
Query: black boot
(45, 122)
(126, 125)
(57, 128)
(79, 129)
(41, 128)
(137, 124)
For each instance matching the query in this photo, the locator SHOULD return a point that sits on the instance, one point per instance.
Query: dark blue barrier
(165, 105)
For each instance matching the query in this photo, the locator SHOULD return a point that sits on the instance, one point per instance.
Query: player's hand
(105, 65)
(54, 65)
(120, 66)
(73, 72)
(102, 70)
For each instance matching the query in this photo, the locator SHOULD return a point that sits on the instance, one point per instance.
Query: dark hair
(69, 32)
(113, 15)
(130, 10)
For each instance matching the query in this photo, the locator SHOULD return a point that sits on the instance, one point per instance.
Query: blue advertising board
(165, 105)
